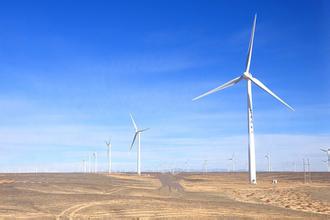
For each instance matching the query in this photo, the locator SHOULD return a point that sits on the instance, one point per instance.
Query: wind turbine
(138, 135)
(89, 164)
(267, 156)
(108, 143)
(186, 166)
(84, 166)
(95, 162)
(249, 79)
(205, 166)
(233, 162)
(328, 154)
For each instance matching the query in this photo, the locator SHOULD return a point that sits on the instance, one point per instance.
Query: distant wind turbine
(205, 166)
(186, 165)
(137, 134)
(95, 162)
(294, 166)
(84, 166)
(108, 143)
(328, 154)
(233, 161)
(267, 156)
(89, 164)
(249, 78)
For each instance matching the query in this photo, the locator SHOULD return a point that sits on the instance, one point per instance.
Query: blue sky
(71, 71)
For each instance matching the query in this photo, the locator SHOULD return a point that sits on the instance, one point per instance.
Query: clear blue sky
(71, 71)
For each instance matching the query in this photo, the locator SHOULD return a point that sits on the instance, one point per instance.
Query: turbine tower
(108, 143)
(328, 154)
(233, 162)
(249, 79)
(267, 156)
(138, 135)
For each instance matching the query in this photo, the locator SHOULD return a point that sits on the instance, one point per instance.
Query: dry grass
(183, 196)
(289, 193)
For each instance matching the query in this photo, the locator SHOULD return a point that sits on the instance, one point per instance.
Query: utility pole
(307, 173)
(327, 151)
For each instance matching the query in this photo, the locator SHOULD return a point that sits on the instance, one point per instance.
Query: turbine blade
(248, 59)
(143, 130)
(263, 87)
(226, 85)
(324, 150)
(133, 121)
(136, 133)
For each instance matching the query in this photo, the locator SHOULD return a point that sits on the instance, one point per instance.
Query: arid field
(155, 195)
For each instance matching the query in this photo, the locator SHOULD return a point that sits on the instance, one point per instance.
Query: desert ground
(163, 195)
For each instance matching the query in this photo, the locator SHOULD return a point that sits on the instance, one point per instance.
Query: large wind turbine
(138, 135)
(328, 154)
(249, 78)
(108, 143)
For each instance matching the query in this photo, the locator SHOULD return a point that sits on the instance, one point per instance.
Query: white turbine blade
(248, 59)
(226, 85)
(263, 87)
(133, 121)
(136, 133)
(143, 130)
(324, 150)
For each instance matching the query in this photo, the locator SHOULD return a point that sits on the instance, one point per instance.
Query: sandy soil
(165, 196)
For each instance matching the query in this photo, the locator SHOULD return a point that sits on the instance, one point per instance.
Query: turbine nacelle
(108, 143)
(247, 75)
(142, 130)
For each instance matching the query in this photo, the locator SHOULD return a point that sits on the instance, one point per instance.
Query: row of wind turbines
(247, 76)
(137, 136)
(233, 162)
